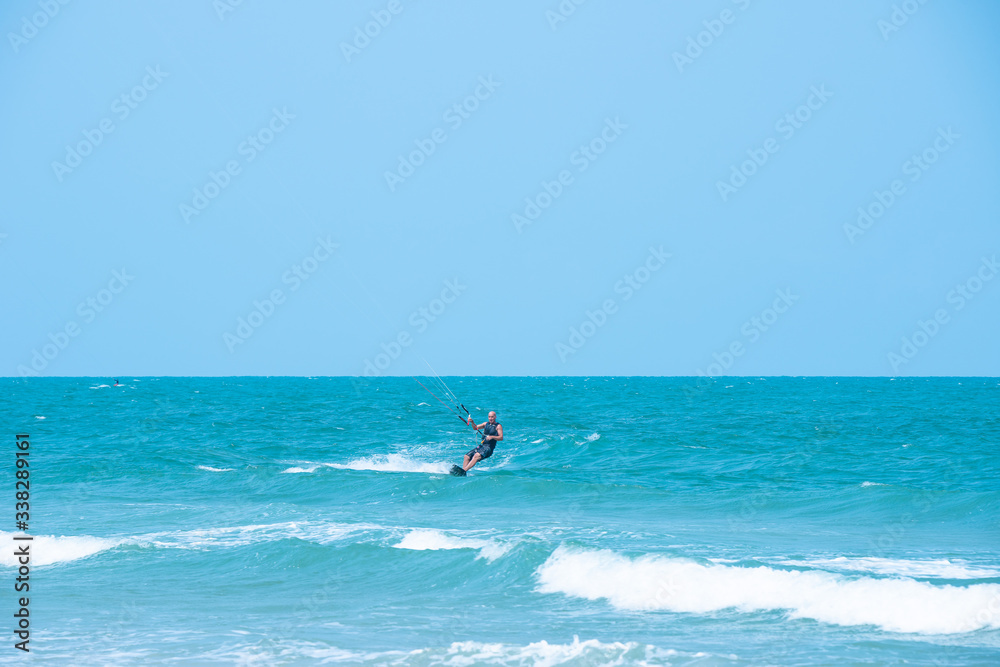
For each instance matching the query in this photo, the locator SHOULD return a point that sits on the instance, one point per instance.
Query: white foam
(235, 536)
(653, 582)
(544, 654)
(271, 653)
(592, 437)
(459, 654)
(49, 549)
(535, 442)
(393, 463)
(940, 568)
(312, 467)
(211, 469)
(867, 484)
(424, 539)
(39, 417)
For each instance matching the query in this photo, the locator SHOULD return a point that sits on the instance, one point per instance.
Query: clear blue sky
(258, 150)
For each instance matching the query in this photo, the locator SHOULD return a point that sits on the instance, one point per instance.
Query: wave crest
(651, 583)
(591, 652)
(423, 539)
(50, 549)
(941, 568)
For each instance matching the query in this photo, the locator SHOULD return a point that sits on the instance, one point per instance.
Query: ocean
(622, 521)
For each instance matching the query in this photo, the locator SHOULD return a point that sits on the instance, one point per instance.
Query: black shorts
(485, 450)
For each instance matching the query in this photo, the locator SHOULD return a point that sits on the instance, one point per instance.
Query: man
(493, 434)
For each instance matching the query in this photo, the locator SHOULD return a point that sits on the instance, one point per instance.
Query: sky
(724, 187)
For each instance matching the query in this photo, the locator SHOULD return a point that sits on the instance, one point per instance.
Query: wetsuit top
(490, 429)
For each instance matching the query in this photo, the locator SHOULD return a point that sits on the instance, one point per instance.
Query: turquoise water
(742, 521)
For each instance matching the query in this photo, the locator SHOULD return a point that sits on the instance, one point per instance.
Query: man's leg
(465, 462)
(475, 459)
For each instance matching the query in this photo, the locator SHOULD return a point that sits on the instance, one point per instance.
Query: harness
(490, 429)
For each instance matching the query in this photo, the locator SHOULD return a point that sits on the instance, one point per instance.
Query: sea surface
(622, 521)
